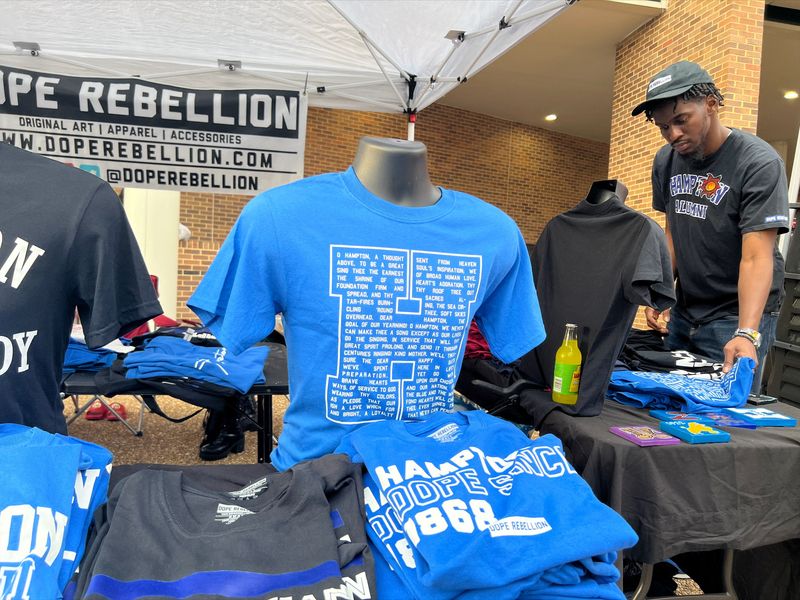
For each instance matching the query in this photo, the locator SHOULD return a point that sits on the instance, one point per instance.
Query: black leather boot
(222, 446)
(230, 438)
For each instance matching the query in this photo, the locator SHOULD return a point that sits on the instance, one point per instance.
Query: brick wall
(724, 36)
(209, 217)
(530, 173)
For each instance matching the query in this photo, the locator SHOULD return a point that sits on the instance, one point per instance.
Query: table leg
(264, 418)
(137, 432)
(82, 409)
(644, 582)
(727, 574)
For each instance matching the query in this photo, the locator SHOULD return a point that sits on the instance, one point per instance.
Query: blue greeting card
(674, 415)
(694, 432)
(763, 417)
(721, 419)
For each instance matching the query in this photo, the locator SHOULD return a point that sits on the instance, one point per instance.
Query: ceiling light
(552, 117)
(790, 95)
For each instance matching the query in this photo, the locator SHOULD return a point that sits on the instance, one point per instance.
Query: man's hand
(736, 348)
(658, 320)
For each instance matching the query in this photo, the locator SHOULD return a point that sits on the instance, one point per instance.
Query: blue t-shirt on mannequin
(376, 295)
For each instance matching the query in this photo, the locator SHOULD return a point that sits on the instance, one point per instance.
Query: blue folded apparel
(683, 393)
(79, 357)
(467, 488)
(174, 357)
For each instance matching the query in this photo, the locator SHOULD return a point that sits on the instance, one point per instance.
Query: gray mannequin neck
(396, 171)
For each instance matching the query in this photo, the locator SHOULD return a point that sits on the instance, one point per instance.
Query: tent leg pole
(411, 131)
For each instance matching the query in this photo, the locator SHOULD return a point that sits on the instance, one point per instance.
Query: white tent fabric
(353, 54)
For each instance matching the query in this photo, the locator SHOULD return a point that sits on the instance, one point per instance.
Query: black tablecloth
(741, 494)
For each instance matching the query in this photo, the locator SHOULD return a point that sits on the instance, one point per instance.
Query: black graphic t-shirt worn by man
(709, 205)
(64, 243)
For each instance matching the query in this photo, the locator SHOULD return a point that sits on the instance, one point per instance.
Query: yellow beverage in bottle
(567, 372)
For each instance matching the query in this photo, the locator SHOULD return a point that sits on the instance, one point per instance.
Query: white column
(154, 215)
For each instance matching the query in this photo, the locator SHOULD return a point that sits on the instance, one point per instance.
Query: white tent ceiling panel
(301, 32)
(360, 51)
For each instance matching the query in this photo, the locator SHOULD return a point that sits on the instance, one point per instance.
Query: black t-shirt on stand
(65, 243)
(593, 265)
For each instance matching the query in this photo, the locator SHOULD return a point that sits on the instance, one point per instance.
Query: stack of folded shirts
(175, 357)
(683, 393)
(172, 534)
(79, 357)
(51, 485)
(464, 505)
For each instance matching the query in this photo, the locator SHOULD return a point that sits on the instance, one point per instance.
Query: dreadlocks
(696, 92)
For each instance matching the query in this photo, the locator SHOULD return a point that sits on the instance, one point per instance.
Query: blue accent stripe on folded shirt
(225, 584)
(358, 561)
(336, 518)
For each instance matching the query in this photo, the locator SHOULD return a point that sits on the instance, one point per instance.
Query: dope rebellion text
(271, 112)
(223, 181)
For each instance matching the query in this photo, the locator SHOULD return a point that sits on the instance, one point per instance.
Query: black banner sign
(272, 113)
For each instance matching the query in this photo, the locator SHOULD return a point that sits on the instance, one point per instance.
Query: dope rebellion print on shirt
(467, 489)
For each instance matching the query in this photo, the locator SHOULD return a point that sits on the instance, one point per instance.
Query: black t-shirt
(647, 350)
(709, 205)
(64, 243)
(593, 266)
(297, 534)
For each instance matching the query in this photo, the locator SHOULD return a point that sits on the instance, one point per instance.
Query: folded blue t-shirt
(79, 357)
(37, 484)
(175, 357)
(682, 393)
(454, 501)
(90, 484)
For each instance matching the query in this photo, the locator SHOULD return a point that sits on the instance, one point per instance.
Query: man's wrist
(750, 334)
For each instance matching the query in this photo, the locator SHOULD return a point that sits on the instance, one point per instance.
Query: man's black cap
(673, 81)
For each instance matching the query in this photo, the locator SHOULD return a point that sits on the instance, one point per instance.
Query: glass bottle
(567, 372)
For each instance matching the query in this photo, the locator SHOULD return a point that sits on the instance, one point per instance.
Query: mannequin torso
(396, 171)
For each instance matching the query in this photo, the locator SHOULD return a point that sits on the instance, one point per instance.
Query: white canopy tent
(388, 56)
(373, 55)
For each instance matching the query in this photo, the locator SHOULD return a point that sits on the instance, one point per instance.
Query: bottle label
(566, 379)
(576, 380)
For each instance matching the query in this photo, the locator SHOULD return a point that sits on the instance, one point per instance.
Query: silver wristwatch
(750, 334)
